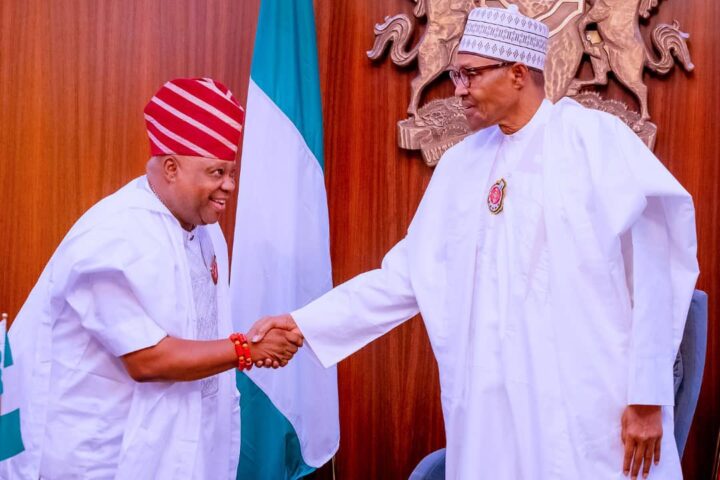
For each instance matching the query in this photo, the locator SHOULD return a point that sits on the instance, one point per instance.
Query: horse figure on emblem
(621, 49)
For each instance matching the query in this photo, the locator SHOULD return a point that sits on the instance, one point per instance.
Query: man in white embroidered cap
(553, 259)
(124, 351)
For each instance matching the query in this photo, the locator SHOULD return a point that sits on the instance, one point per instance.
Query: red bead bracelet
(242, 349)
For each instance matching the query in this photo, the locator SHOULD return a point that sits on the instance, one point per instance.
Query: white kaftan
(121, 281)
(547, 319)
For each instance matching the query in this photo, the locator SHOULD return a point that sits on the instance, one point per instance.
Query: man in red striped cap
(124, 350)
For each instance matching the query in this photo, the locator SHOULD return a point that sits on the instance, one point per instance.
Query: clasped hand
(274, 341)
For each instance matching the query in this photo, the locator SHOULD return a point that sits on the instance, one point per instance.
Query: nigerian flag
(10, 440)
(281, 254)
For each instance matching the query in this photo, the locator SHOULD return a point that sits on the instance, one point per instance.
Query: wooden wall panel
(75, 75)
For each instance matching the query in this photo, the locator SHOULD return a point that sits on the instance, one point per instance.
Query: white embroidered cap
(505, 34)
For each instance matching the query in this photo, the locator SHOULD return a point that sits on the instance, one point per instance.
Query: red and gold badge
(496, 196)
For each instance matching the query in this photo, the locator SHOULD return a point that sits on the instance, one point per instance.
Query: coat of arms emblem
(607, 32)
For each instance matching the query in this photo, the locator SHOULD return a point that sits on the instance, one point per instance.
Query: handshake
(274, 340)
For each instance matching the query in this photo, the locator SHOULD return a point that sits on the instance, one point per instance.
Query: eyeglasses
(464, 75)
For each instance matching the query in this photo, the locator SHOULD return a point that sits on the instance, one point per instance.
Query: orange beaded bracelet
(242, 349)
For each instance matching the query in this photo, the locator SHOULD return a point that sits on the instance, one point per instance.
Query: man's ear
(170, 167)
(520, 74)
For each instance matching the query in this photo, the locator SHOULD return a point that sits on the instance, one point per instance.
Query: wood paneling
(75, 75)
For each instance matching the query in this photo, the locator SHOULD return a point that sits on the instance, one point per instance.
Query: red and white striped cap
(196, 117)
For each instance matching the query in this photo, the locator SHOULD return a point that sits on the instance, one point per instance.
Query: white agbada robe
(121, 280)
(548, 319)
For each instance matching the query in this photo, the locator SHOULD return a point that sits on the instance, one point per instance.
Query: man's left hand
(641, 435)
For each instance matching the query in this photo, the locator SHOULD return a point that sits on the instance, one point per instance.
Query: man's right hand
(276, 348)
(266, 326)
(642, 433)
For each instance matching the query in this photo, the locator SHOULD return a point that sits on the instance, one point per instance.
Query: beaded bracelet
(242, 349)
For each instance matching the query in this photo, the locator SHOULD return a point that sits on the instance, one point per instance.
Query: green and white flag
(10, 439)
(281, 254)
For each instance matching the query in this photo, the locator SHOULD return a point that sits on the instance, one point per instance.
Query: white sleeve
(664, 265)
(108, 308)
(107, 282)
(652, 344)
(360, 310)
